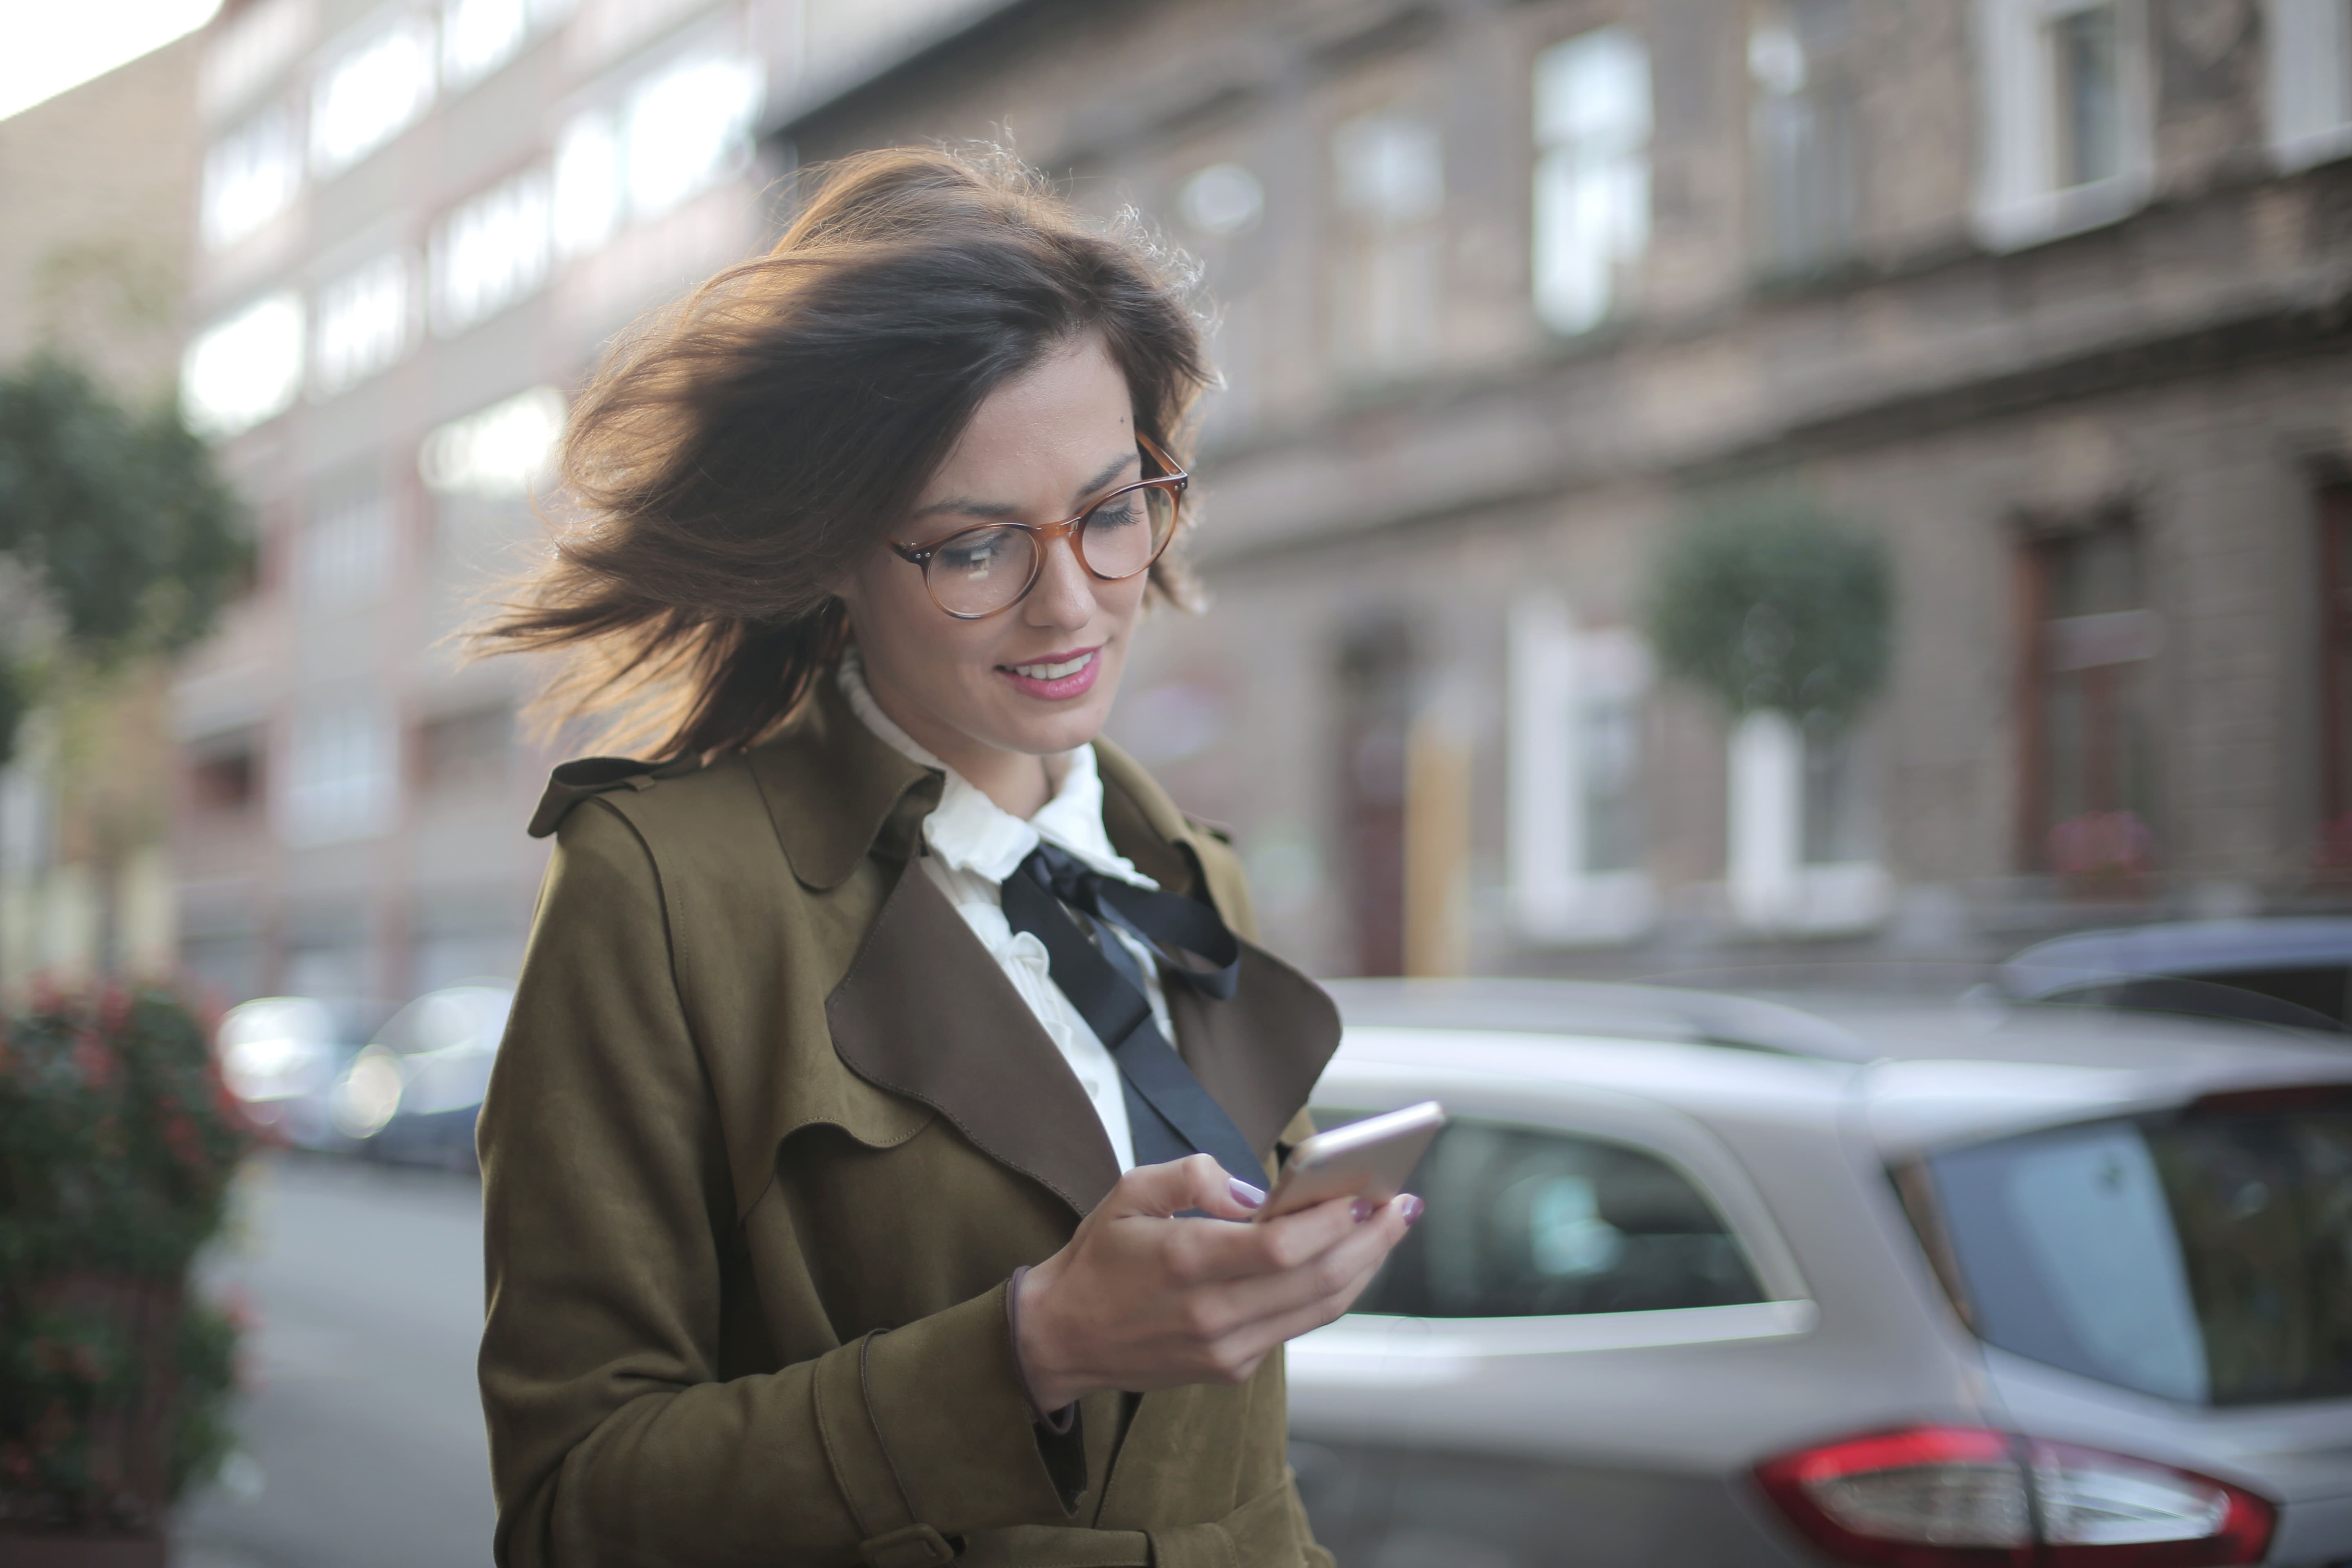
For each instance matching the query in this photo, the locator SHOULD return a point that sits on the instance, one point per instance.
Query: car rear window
(1528, 1222)
(2206, 1257)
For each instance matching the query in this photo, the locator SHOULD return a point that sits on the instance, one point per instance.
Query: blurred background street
(1796, 552)
(362, 1430)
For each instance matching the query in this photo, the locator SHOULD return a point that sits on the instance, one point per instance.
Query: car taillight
(1950, 1497)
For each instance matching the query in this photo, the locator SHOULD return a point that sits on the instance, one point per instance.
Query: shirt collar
(970, 832)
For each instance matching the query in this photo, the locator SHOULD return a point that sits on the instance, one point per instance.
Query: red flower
(96, 1060)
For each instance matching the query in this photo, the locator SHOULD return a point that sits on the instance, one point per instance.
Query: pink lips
(1078, 683)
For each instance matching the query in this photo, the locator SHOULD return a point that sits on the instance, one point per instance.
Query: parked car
(282, 1056)
(1711, 1282)
(2291, 970)
(412, 1095)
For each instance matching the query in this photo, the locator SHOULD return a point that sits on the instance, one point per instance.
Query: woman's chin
(1065, 727)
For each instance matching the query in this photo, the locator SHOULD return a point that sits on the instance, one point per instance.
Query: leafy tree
(124, 540)
(1769, 603)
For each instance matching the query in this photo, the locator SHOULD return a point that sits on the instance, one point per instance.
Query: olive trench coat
(768, 1132)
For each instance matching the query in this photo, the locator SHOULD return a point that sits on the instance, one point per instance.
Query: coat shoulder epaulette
(574, 782)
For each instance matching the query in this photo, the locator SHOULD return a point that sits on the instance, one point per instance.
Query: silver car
(1714, 1281)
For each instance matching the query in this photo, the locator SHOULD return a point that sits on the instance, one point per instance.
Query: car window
(1531, 1222)
(2206, 1258)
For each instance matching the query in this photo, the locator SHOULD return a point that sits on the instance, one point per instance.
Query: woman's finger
(1195, 1182)
(1220, 1252)
(1234, 1299)
(1251, 1339)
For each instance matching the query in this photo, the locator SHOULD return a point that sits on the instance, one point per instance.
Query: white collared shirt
(974, 844)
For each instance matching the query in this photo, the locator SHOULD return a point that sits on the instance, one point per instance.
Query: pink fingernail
(1411, 1206)
(1249, 1197)
(1360, 1210)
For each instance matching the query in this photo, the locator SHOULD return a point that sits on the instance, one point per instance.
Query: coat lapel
(924, 1011)
(1261, 1049)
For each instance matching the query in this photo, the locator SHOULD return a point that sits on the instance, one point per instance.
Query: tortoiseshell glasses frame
(961, 570)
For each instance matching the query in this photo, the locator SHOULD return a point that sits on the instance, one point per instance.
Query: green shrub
(1769, 603)
(117, 1143)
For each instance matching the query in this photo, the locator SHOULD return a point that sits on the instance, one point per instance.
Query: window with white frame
(341, 772)
(688, 127)
(1801, 134)
(676, 133)
(1801, 830)
(2310, 81)
(346, 551)
(244, 368)
(1577, 833)
(490, 252)
(1591, 198)
(589, 200)
(365, 322)
(249, 50)
(2067, 142)
(373, 88)
(1389, 177)
(497, 452)
(251, 175)
(478, 36)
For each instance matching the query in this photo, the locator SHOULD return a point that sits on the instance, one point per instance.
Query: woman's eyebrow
(970, 508)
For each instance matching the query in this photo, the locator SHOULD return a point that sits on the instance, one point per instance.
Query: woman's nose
(1064, 597)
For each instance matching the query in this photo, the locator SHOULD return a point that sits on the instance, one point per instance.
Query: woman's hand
(1140, 1300)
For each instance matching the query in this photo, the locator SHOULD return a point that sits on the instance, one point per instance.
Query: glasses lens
(980, 570)
(1127, 533)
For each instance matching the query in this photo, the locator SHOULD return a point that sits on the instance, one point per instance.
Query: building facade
(2049, 298)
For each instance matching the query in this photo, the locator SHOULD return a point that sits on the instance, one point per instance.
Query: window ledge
(2023, 221)
(1599, 910)
(2310, 149)
(1818, 899)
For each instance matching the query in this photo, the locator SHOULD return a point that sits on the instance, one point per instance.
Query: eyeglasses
(978, 572)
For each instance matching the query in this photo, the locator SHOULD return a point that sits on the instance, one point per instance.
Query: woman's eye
(1115, 514)
(973, 556)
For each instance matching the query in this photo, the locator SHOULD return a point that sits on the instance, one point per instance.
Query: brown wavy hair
(741, 448)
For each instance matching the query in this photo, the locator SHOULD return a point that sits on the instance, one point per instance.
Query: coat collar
(831, 783)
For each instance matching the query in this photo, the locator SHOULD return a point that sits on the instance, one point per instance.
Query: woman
(844, 1195)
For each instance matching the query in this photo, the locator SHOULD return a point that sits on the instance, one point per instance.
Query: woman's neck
(1020, 783)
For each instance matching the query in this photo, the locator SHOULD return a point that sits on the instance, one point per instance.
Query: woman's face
(1036, 678)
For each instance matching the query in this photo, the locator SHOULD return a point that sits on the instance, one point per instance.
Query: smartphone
(1369, 1159)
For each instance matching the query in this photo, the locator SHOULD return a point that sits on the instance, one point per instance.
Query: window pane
(587, 200)
(478, 36)
(2090, 96)
(1590, 212)
(251, 176)
(1528, 1223)
(245, 369)
(2205, 1259)
(2098, 786)
(491, 252)
(688, 128)
(346, 553)
(370, 94)
(339, 780)
(365, 320)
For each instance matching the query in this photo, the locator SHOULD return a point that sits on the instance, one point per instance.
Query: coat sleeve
(608, 1216)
